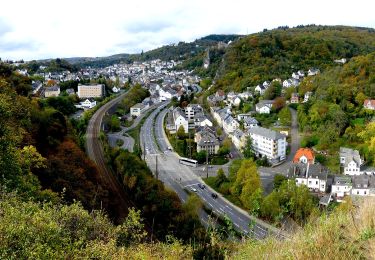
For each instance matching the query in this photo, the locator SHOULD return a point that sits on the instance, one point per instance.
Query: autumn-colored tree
(278, 103)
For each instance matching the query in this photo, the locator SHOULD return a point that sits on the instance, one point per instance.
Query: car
(193, 189)
(214, 195)
(202, 186)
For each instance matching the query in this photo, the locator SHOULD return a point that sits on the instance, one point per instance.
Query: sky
(37, 29)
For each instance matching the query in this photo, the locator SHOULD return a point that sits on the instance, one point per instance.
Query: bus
(188, 162)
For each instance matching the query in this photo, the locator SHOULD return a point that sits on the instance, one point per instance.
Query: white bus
(188, 162)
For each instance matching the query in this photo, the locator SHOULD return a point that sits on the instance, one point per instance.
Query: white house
(115, 89)
(230, 124)
(180, 119)
(341, 187)
(268, 143)
(351, 161)
(363, 185)
(314, 176)
(87, 104)
(201, 120)
(260, 89)
(264, 106)
(369, 104)
(287, 83)
(307, 96)
(250, 122)
(137, 109)
(238, 139)
(313, 72)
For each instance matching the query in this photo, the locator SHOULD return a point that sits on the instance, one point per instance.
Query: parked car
(214, 195)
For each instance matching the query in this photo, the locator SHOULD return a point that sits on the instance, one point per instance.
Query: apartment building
(268, 143)
(90, 91)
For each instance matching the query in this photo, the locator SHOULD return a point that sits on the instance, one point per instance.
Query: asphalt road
(95, 152)
(180, 177)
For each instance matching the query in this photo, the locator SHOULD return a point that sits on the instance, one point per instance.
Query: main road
(165, 164)
(95, 151)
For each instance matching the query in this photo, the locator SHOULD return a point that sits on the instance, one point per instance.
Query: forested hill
(179, 51)
(277, 53)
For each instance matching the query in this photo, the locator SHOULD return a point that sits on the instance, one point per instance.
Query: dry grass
(347, 233)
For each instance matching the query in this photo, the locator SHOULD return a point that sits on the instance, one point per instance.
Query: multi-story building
(314, 176)
(90, 91)
(207, 141)
(268, 143)
(180, 120)
(52, 91)
(191, 110)
(350, 161)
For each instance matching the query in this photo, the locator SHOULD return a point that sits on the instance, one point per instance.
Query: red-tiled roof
(308, 153)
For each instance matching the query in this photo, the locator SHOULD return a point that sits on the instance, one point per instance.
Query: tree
(246, 183)
(248, 151)
(220, 178)
(360, 98)
(273, 91)
(368, 136)
(278, 180)
(285, 117)
(201, 156)
(181, 132)
(278, 103)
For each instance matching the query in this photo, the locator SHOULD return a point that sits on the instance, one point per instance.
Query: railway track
(94, 150)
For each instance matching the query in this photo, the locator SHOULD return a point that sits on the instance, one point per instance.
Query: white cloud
(43, 29)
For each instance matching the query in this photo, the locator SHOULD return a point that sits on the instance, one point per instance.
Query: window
(316, 182)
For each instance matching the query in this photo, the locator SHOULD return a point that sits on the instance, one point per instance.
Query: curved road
(180, 177)
(95, 151)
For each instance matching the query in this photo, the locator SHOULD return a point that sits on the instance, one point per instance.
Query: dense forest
(279, 52)
(335, 115)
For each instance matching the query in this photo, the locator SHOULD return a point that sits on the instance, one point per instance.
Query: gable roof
(308, 153)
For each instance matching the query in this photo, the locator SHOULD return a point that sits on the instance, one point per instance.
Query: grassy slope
(347, 233)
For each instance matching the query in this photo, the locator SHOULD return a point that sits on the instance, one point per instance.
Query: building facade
(90, 91)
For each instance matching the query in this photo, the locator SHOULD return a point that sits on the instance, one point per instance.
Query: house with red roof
(369, 104)
(304, 155)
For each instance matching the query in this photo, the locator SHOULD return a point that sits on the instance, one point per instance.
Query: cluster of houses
(294, 81)
(265, 142)
(356, 180)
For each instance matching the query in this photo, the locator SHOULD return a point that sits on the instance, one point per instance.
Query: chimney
(307, 170)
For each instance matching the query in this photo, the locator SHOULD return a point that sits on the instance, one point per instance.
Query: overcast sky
(36, 29)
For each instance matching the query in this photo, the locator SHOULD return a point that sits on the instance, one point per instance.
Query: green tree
(181, 132)
(248, 151)
(278, 179)
(285, 117)
(220, 178)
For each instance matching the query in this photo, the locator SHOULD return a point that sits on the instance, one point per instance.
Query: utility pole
(189, 145)
(207, 160)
